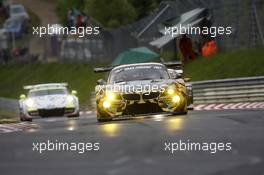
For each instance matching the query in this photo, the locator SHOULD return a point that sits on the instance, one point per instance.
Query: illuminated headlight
(176, 99)
(106, 104)
(170, 91)
(111, 96)
(70, 99)
(30, 103)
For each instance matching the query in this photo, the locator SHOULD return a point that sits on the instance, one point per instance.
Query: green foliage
(79, 76)
(7, 116)
(2, 20)
(144, 7)
(240, 63)
(111, 13)
(168, 55)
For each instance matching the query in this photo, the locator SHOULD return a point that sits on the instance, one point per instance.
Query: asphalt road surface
(137, 146)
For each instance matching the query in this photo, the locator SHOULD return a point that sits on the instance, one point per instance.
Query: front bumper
(141, 105)
(51, 112)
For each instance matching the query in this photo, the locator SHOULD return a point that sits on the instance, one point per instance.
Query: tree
(111, 13)
(144, 7)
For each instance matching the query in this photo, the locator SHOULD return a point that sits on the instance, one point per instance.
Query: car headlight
(30, 103)
(106, 104)
(176, 99)
(170, 91)
(70, 99)
(110, 96)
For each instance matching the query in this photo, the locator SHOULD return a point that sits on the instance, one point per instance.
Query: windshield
(135, 73)
(36, 93)
(15, 10)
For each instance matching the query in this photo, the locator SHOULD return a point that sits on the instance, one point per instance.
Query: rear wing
(28, 87)
(173, 64)
(102, 69)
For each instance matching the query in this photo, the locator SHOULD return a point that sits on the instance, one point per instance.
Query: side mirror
(172, 73)
(101, 82)
(74, 92)
(179, 73)
(187, 79)
(22, 96)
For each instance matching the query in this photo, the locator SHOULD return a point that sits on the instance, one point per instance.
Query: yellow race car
(143, 88)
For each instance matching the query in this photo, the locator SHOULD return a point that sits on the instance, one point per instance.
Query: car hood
(147, 85)
(50, 101)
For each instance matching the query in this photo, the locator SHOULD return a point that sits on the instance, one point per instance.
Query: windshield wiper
(120, 81)
(144, 79)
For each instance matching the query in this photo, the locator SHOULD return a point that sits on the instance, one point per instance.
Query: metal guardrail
(9, 104)
(250, 89)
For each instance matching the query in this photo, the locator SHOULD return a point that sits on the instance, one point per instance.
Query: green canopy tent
(136, 55)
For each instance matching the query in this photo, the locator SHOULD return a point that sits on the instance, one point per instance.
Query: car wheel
(29, 119)
(102, 117)
(74, 116)
(104, 120)
(183, 111)
(22, 118)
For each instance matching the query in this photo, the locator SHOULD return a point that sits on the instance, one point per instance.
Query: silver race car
(45, 100)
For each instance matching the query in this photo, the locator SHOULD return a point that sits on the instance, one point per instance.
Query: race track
(137, 146)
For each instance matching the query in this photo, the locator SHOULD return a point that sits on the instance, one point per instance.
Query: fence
(244, 16)
(7, 104)
(229, 90)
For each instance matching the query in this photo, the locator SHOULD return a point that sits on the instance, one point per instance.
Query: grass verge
(79, 76)
(8, 117)
(239, 63)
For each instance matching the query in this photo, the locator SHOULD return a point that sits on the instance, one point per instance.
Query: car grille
(146, 108)
(51, 112)
(150, 95)
(131, 96)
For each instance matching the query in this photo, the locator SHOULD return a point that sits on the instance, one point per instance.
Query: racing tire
(74, 116)
(104, 120)
(180, 113)
(29, 119)
(101, 117)
(26, 119)
(23, 119)
(184, 111)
